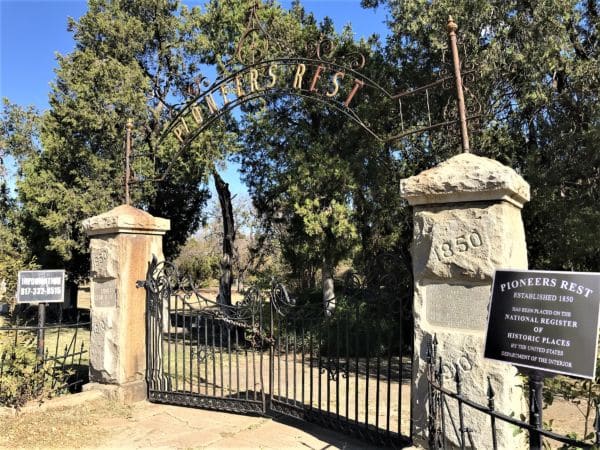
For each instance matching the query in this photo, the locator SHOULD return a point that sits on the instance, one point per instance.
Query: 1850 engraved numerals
(460, 244)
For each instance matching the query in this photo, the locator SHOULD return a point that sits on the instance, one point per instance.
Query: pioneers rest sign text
(545, 321)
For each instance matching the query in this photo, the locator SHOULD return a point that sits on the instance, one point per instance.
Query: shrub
(22, 376)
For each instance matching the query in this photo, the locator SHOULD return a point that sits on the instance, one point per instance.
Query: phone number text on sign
(41, 286)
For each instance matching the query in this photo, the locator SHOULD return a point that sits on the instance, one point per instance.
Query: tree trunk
(228, 239)
(328, 287)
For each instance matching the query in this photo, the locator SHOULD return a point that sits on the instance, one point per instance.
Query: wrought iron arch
(209, 102)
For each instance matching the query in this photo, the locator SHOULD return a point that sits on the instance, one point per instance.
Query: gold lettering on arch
(323, 81)
(336, 84)
(273, 76)
(253, 80)
(210, 102)
(300, 70)
(358, 84)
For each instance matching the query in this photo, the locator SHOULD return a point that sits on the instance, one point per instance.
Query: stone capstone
(465, 178)
(126, 219)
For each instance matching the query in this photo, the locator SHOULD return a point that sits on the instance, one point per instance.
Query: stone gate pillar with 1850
(122, 243)
(467, 223)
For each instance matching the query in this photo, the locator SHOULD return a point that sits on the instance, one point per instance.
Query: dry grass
(63, 427)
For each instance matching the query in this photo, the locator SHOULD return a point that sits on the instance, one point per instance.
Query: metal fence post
(40, 331)
(536, 385)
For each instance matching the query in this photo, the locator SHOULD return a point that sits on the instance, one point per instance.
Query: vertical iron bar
(183, 316)
(246, 358)
(337, 370)
(378, 363)
(400, 369)
(253, 346)
(356, 362)
(536, 383)
(347, 320)
(294, 364)
(191, 350)
(311, 368)
(491, 406)
(237, 362)
(229, 356)
(329, 366)
(214, 362)
(440, 379)
(278, 356)
(287, 348)
(461, 417)
(367, 376)
(221, 359)
(464, 132)
(302, 336)
(389, 383)
(320, 368)
(159, 328)
(176, 342)
(271, 348)
(260, 334)
(206, 357)
(198, 356)
(57, 340)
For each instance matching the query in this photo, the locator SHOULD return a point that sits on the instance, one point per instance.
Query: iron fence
(344, 365)
(443, 424)
(43, 359)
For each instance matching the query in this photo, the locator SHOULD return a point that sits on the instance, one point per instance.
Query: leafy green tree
(19, 130)
(133, 60)
(537, 83)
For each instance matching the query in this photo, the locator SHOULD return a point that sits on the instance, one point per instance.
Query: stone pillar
(122, 243)
(467, 222)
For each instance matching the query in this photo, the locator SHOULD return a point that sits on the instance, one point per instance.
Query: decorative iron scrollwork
(280, 299)
(332, 369)
(324, 49)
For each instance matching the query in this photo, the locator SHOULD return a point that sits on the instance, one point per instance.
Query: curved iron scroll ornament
(324, 75)
(165, 281)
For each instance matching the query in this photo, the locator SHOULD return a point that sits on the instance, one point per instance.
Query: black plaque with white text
(41, 286)
(545, 321)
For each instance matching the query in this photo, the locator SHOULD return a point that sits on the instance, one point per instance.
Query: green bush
(22, 377)
(202, 269)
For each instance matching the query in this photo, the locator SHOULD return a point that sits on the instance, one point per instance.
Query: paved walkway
(168, 427)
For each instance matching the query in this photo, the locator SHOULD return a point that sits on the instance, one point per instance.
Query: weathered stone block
(466, 178)
(467, 242)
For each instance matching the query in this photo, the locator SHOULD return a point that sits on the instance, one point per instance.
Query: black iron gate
(269, 354)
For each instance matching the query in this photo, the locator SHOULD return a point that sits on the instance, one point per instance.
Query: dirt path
(99, 423)
(88, 420)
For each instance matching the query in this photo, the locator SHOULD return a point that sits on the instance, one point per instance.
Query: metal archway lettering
(321, 76)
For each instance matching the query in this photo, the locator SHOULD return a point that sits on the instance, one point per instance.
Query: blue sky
(33, 31)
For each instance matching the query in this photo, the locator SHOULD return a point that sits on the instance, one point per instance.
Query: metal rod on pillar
(460, 98)
(127, 161)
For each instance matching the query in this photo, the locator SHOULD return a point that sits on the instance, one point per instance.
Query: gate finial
(460, 98)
